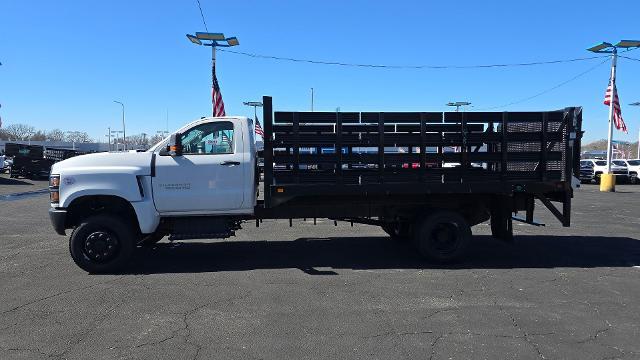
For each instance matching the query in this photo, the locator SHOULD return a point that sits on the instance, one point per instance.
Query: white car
(5, 164)
(633, 165)
(599, 167)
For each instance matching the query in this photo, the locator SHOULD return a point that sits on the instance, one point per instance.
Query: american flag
(259, 130)
(216, 96)
(617, 113)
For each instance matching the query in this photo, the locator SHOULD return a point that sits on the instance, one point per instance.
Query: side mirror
(174, 147)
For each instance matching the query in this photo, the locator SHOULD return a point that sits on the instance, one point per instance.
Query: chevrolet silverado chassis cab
(202, 181)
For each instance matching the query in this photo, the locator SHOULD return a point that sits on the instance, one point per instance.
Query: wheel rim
(101, 246)
(445, 238)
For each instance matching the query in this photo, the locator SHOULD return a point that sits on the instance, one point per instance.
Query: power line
(337, 63)
(629, 58)
(547, 90)
(202, 16)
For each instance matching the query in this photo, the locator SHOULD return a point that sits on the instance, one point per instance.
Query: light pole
(117, 147)
(458, 104)
(256, 105)
(637, 103)
(215, 40)
(608, 48)
(124, 129)
(109, 136)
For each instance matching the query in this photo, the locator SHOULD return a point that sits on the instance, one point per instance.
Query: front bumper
(58, 218)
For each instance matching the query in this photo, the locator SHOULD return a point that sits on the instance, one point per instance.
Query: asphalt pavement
(329, 292)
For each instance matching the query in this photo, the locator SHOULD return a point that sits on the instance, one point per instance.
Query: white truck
(202, 181)
(593, 168)
(632, 165)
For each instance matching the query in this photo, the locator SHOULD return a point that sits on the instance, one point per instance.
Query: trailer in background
(34, 161)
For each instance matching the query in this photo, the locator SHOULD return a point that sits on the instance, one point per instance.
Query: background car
(599, 167)
(633, 165)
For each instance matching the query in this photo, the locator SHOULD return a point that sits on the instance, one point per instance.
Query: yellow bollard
(607, 182)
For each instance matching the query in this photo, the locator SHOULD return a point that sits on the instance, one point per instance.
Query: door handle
(230, 163)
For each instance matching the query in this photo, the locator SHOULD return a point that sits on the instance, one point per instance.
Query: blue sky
(64, 62)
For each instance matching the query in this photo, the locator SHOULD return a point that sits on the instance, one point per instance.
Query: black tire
(397, 231)
(597, 179)
(443, 237)
(151, 239)
(102, 244)
(633, 179)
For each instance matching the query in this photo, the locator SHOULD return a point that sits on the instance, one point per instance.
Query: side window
(209, 139)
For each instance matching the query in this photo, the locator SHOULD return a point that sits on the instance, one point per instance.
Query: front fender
(73, 186)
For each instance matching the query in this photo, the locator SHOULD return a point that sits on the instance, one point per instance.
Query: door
(207, 177)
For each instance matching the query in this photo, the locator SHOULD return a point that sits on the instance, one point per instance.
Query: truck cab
(212, 173)
(206, 168)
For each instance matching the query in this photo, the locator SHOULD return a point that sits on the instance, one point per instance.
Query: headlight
(54, 188)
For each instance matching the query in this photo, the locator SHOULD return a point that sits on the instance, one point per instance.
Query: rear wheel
(443, 237)
(633, 179)
(101, 244)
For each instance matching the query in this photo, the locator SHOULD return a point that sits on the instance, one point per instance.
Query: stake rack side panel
(418, 148)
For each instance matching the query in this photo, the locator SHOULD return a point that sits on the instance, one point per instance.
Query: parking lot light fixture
(210, 36)
(194, 39)
(458, 104)
(213, 40)
(255, 104)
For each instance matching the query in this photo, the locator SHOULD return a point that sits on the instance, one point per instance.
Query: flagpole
(614, 60)
(213, 75)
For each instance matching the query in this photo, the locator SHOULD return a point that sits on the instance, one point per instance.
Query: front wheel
(443, 237)
(101, 244)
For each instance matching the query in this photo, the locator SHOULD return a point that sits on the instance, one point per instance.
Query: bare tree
(55, 135)
(155, 139)
(38, 136)
(19, 131)
(138, 141)
(77, 136)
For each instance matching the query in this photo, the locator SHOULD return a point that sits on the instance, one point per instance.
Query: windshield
(601, 163)
(619, 162)
(634, 162)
